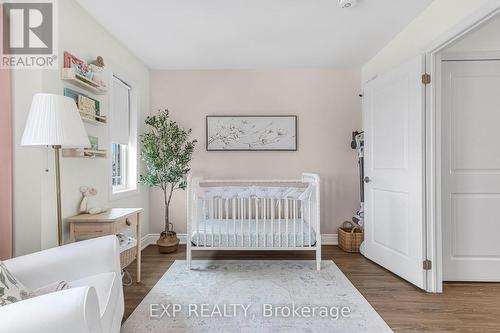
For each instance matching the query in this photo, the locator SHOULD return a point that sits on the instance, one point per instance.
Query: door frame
(433, 149)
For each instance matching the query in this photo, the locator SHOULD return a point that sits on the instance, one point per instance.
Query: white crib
(263, 215)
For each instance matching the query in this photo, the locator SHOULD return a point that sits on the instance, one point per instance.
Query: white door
(393, 117)
(471, 171)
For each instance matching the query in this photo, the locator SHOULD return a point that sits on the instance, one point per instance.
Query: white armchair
(94, 303)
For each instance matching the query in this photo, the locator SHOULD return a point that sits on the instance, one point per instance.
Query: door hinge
(427, 265)
(426, 78)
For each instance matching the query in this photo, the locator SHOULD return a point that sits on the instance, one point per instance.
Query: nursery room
(236, 166)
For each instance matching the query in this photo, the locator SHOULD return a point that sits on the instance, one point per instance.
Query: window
(123, 138)
(118, 166)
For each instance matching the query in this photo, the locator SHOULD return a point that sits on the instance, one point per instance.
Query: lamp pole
(57, 152)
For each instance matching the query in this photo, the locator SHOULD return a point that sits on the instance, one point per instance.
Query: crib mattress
(251, 233)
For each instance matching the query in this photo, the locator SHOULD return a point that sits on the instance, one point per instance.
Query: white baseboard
(329, 239)
(150, 239)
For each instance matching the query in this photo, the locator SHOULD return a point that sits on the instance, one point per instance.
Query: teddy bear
(88, 204)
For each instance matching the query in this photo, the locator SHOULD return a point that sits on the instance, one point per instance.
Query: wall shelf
(93, 122)
(84, 153)
(69, 75)
(97, 120)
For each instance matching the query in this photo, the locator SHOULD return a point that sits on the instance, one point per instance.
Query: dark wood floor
(463, 307)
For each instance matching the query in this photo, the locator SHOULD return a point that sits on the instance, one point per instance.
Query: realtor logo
(28, 35)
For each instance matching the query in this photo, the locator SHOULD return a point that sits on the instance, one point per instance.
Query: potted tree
(166, 150)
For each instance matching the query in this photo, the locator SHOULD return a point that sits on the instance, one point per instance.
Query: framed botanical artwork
(251, 133)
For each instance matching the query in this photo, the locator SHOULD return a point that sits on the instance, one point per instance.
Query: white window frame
(131, 162)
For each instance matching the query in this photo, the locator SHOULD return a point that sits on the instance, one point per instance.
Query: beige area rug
(254, 296)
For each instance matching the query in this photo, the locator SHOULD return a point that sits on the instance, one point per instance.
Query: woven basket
(350, 237)
(127, 256)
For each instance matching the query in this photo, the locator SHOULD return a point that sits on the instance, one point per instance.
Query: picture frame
(251, 133)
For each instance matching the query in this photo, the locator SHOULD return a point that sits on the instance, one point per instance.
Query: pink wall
(5, 167)
(328, 109)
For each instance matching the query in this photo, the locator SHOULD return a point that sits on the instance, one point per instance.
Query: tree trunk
(167, 206)
(167, 218)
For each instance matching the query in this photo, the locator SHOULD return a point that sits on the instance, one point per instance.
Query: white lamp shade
(54, 120)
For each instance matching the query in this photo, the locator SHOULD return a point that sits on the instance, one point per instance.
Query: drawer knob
(127, 222)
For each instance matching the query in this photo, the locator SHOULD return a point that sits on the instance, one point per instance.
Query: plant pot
(168, 242)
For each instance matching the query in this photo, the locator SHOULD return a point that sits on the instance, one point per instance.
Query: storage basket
(127, 256)
(350, 237)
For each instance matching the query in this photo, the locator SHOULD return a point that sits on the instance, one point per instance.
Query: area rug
(254, 296)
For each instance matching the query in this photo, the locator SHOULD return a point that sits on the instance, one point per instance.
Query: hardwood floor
(463, 307)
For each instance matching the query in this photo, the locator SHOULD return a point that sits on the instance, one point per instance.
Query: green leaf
(2, 291)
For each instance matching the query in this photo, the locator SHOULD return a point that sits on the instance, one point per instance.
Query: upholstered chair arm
(72, 310)
(67, 263)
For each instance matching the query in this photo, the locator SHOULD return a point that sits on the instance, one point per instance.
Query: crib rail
(256, 222)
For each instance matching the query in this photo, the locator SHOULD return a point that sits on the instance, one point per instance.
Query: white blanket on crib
(275, 192)
(226, 233)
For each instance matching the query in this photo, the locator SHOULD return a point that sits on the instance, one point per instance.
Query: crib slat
(207, 217)
(234, 221)
(309, 219)
(249, 219)
(219, 218)
(279, 222)
(264, 216)
(272, 221)
(294, 207)
(256, 222)
(302, 221)
(212, 203)
(198, 222)
(287, 215)
(227, 222)
(242, 215)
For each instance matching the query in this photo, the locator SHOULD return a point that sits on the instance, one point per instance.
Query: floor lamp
(54, 121)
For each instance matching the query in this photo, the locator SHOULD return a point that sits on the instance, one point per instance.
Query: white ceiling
(216, 34)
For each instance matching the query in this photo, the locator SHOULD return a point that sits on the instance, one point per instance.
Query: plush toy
(98, 69)
(88, 204)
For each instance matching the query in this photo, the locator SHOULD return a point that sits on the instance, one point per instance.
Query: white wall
(27, 167)
(484, 38)
(438, 18)
(34, 189)
(328, 108)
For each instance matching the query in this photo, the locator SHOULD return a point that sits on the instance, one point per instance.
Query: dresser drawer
(93, 229)
(125, 223)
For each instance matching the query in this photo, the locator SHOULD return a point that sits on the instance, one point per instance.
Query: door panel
(389, 127)
(471, 170)
(393, 117)
(469, 240)
(474, 122)
(392, 208)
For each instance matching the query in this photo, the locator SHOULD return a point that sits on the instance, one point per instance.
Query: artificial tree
(167, 149)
